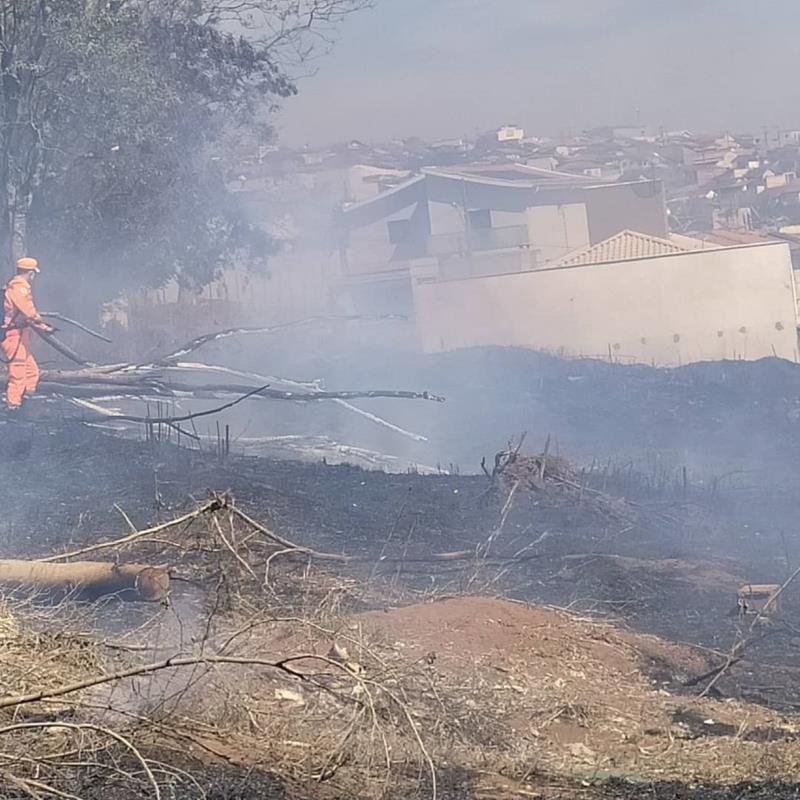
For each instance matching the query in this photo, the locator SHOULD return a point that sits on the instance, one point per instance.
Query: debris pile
(539, 473)
(555, 478)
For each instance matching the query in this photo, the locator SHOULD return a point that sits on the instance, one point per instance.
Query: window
(480, 219)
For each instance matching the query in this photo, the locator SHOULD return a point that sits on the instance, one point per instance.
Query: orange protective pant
(23, 371)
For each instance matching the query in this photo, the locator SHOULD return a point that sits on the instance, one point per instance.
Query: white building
(510, 133)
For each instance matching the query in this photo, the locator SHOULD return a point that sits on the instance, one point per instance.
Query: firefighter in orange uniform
(20, 316)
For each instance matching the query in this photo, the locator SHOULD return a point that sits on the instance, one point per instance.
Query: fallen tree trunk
(87, 580)
(166, 378)
(86, 381)
(305, 396)
(93, 390)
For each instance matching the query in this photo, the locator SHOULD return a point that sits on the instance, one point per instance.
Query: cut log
(87, 580)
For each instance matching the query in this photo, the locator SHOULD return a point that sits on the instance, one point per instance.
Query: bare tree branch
(283, 665)
(195, 344)
(214, 504)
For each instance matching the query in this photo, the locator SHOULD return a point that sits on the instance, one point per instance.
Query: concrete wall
(730, 303)
(555, 231)
(610, 208)
(445, 218)
(295, 286)
(560, 218)
(635, 206)
(508, 219)
(369, 248)
(448, 219)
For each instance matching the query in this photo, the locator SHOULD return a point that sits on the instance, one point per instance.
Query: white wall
(445, 218)
(553, 231)
(729, 303)
(370, 249)
(557, 230)
(508, 219)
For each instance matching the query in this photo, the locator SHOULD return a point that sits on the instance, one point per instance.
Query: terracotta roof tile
(625, 246)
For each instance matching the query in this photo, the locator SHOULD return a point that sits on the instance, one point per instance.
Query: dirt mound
(496, 630)
(577, 694)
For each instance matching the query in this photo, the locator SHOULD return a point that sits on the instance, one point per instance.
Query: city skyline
(450, 68)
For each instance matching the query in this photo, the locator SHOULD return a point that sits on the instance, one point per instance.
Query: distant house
(454, 145)
(592, 168)
(481, 219)
(774, 180)
(510, 133)
(784, 195)
(733, 219)
(312, 158)
(679, 153)
(622, 132)
(789, 137)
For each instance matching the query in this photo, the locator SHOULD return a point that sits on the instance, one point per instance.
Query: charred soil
(541, 692)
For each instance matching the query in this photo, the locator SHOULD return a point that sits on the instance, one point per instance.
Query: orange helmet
(28, 263)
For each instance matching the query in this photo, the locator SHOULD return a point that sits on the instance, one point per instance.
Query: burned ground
(717, 418)
(668, 567)
(655, 552)
(676, 791)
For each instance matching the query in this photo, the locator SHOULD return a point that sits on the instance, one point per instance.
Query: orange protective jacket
(20, 310)
(19, 317)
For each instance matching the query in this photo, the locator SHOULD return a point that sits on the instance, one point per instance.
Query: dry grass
(276, 665)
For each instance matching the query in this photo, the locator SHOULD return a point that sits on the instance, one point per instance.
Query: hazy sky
(442, 68)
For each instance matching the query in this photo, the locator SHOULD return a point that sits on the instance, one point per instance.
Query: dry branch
(106, 413)
(187, 417)
(286, 544)
(317, 394)
(167, 663)
(138, 381)
(305, 386)
(78, 728)
(740, 645)
(87, 385)
(214, 504)
(199, 341)
(416, 437)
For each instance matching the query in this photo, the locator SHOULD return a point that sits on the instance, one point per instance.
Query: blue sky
(441, 68)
